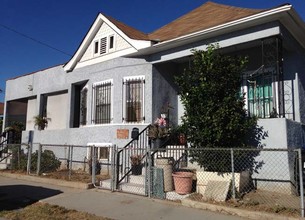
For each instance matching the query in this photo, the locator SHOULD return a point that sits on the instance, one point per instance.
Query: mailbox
(135, 133)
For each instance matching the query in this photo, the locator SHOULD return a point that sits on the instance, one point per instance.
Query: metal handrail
(137, 146)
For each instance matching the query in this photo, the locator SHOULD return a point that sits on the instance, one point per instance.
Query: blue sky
(63, 24)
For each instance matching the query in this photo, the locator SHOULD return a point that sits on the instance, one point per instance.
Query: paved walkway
(102, 203)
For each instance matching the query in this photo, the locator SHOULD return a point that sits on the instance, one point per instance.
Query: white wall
(57, 107)
(31, 112)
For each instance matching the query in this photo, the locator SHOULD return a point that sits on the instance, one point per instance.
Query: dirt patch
(262, 201)
(74, 176)
(46, 211)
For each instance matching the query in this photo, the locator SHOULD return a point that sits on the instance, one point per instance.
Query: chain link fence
(14, 156)
(256, 179)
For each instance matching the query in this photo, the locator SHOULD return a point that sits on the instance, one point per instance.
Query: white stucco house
(121, 78)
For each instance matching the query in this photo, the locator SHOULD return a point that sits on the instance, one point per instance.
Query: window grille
(83, 106)
(102, 113)
(134, 100)
(260, 98)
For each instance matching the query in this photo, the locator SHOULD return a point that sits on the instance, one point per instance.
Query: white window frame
(94, 101)
(108, 49)
(114, 45)
(99, 146)
(98, 47)
(128, 78)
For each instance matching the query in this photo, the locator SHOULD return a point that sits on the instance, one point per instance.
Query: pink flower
(160, 122)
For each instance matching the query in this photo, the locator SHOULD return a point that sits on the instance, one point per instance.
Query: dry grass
(262, 201)
(46, 211)
(76, 176)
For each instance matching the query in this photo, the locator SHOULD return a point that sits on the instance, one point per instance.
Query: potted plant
(183, 182)
(41, 122)
(158, 131)
(136, 164)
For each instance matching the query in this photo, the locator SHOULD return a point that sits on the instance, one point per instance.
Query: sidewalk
(24, 190)
(104, 203)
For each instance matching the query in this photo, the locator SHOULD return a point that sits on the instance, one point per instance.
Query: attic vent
(103, 48)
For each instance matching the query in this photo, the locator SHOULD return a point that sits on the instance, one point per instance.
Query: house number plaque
(122, 133)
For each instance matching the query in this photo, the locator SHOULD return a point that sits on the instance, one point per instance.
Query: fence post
(68, 161)
(93, 163)
(117, 169)
(149, 171)
(113, 167)
(71, 161)
(301, 182)
(233, 174)
(39, 159)
(28, 166)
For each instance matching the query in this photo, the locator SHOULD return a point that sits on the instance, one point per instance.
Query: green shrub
(48, 162)
(215, 114)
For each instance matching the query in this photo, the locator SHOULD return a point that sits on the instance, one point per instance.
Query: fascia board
(105, 57)
(80, 51)
(273, 31)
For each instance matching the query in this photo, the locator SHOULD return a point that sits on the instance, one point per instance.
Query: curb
(57, 182)
(234, 211)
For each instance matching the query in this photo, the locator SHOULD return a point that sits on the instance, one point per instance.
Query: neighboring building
(121, 78)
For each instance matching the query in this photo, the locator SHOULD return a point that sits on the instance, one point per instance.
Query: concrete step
(105, 184)
(133, 188)
(137, 179)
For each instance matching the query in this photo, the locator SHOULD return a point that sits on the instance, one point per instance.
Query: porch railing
(137, 147)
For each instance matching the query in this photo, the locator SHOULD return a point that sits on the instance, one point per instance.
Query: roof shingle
(129, 31)
(205, 16)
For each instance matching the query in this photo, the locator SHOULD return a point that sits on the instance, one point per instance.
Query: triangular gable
(95, 46)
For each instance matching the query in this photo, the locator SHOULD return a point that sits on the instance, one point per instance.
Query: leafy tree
(215, 116)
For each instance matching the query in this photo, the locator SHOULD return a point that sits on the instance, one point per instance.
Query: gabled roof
(135, 38)
(208, 18)
(207, 15)
(129, 31)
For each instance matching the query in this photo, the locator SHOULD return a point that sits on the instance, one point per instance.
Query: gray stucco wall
(279, 166)
(164, 92)
(56, 79)
(294, 75)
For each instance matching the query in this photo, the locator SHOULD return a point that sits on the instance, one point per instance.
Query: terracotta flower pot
(183, 182)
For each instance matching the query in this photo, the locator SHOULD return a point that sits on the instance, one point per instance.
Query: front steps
(134, 185)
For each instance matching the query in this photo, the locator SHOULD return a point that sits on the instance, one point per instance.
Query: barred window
(134, 100)
(83, 106)
(102, 103)
(260, 98)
